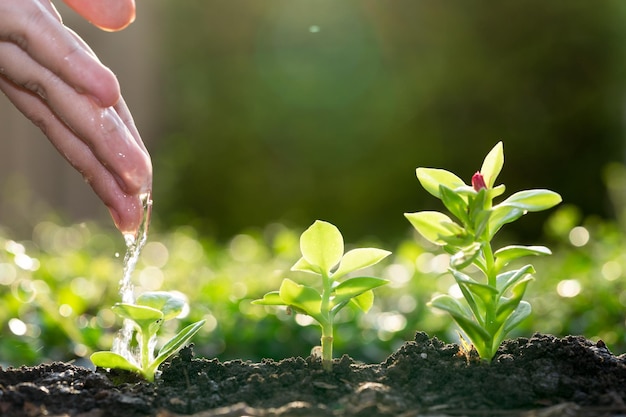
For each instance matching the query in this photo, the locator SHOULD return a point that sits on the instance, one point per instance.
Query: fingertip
(105, 88)
(127, 214)
(109, 15)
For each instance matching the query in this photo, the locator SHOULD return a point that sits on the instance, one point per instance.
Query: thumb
(110, 15)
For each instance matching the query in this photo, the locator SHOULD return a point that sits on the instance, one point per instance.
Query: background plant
(494, 304)
(322, 249)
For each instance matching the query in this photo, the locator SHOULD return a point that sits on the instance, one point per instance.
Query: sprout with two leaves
(147, 315)
(322, 249)
(494, 304)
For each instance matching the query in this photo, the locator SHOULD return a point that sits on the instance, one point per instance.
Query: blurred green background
(295, 110)
(277, 113)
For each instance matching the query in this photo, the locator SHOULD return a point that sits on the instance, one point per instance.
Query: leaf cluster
(494, 304)
(322, 248)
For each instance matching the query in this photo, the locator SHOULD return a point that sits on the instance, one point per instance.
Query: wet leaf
(144, 317)
(170, 304)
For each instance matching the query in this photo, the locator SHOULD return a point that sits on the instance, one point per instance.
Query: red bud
(478, 181)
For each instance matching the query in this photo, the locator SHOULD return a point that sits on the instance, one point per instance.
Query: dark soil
(541, 376)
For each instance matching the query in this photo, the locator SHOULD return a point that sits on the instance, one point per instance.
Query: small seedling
(147, 315)
(322, 250)
(494, 304)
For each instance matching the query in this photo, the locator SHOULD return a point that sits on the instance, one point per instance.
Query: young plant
(493, 303)
(147, 315)
(323, 254)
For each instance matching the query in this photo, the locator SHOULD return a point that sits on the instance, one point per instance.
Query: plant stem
(145, 350)
(490, 308)
(327, 326)
(327, 347)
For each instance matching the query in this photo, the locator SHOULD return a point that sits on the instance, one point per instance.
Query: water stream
(134, 244)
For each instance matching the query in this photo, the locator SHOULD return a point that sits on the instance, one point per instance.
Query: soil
(541, 376)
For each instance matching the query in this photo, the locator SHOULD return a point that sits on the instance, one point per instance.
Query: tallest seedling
(493, 296)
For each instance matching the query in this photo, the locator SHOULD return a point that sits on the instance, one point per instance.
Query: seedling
(322, 250)
(147, 315)
(493, 303)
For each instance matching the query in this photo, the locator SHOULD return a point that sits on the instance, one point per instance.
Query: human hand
(56, 80)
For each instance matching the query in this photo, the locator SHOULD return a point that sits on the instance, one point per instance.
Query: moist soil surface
(540, 376)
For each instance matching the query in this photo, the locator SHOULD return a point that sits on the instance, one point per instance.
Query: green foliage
(322, 250)
(147, 315)
(53, 287)
(494, 305)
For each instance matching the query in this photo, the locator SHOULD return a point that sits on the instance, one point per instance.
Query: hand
(56, 80)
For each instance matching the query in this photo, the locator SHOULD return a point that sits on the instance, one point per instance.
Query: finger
(113, 141)
(126, 209)
(120, 107)
(109, 15)
(36, 28)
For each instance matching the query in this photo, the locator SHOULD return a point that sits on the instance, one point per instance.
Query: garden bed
(559, 376)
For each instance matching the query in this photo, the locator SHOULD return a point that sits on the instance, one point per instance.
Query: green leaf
(465, 256)
(483, 291)
(434, 226)
(533, 200)
(477, 203)
(302, 298)
(303, 265)
(170, 304)
(501, 215)
(364, 301)
(144, 317)
(496, 191)
(481, 221)
(322, 245)
(457, 237)
(177, 342)
(507, 279)
(432, 178)
(522, 311)
(110, 360)
(270, 299)
(456, 204)
(447, 303)
(451, 305)
(360, 258)
(512, 252)
(492, 165)
(507, 305)
(475, 304)
(353, 287)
